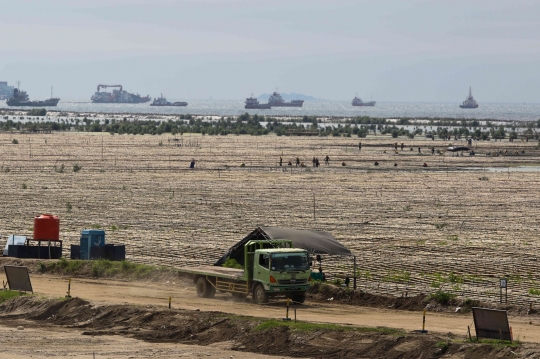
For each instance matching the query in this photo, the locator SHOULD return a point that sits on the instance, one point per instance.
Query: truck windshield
(290, 262)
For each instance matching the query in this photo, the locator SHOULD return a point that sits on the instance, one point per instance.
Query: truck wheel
(259, 294)
(204, 289)
(298, 298)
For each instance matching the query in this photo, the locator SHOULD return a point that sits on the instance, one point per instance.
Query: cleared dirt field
(454, 225)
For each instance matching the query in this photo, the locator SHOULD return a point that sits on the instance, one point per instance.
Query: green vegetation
(443, 346)
(440, 225)
(312, 327)
(442, 297)
(533, 291)
(15, 141)
(8, 294)
(102, 268)
(76, 167)
(37, 112)
(232, 263)
(68, 207)
(24, 186)
(397, 276)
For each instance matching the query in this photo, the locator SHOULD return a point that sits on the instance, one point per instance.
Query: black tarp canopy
(315, 242)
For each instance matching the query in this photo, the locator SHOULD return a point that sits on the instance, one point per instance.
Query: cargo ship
(357, 101)
(117, 96)
(253, 103)
(469, 102)
(276, 100)
(162, 101)
(20, 99)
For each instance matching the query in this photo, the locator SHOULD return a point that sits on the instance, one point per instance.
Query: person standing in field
(327, 160)
(192, 164)
(359, 146)
(280, 161)
(297, 161)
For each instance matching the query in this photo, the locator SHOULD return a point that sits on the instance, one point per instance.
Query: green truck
(272, 268)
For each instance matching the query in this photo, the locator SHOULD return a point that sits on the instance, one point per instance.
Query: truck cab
(274, 268)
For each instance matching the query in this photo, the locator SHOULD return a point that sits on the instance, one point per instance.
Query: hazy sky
(402, 50)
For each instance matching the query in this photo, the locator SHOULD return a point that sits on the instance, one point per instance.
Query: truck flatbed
(221, 272)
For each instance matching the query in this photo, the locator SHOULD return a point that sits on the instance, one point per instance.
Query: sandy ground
(38, 341)
(184, 296)
(455, 224)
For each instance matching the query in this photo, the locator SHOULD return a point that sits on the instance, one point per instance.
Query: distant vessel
(469, 102)
(162, 101)
(276, 100)
(357, 101)
(117, 96)
(20, 98)
(253, 103)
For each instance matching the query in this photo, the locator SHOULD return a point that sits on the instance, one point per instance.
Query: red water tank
(47, 228)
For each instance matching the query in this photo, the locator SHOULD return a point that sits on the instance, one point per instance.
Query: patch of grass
(455, 278)
(77, 167)
(15, 141)
(533, 291)
(95, 226)
(312, 327)
(398, 276)
(9, 294)
(69, 207)
(453, 238)
(101, 268)
(443, 346)
(440, 225)
(24, 186)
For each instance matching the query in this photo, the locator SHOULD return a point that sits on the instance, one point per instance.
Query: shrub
(76, 167)
(442, 297)
(59, 169)
(15, 142)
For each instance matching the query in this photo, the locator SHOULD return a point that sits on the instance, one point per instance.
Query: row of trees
(251, 124)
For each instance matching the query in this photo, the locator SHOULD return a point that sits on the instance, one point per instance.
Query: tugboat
(20, 98)
(357, 101)
(253, 103)
(277, 101)
(162, 101)
(469, 102)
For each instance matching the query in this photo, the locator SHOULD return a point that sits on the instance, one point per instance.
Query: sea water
(494, 111)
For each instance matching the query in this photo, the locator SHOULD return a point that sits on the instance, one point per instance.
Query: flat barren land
(457, 225)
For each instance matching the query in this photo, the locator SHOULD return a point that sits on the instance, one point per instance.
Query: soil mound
(244, 333)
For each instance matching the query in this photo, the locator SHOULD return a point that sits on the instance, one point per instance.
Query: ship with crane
(117, 96)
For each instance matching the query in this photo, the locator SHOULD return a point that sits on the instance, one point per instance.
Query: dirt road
(118, 292)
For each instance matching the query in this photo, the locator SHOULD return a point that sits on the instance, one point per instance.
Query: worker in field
(402, 145)
(359, 146)
(297, 161)
(280, 161)
(192, 164)
(327, 160)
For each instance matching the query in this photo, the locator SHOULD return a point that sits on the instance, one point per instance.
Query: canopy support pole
(354, 275)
